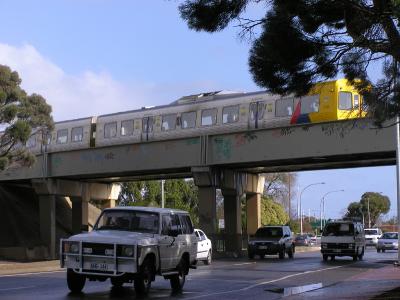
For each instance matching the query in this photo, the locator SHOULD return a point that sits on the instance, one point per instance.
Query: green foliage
(19, 114)
(378, 205)
(272, 213)
(179, 194)
(330, 37)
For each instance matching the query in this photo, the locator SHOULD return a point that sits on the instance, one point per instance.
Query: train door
(147, 128)
(256, 114)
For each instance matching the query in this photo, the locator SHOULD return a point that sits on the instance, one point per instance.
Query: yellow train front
(329, 101)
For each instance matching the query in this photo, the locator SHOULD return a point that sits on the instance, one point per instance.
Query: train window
(168, 122)
(230, 114)
(345, 101)
(77, 134)
(310, 104)
(126, 127)
(188, 120)
(31, 142)
(208, 117)
(356, 101)
(253, 111)
(148, 124)
(284, 107)
(261, 110)
(110, 130)
(62, 136)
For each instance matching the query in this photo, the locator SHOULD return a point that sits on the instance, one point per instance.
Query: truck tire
(177, 281)
(143, 282)
(116, 282)
(291, 252)
(75, 281)
(282, 253)
(361, 255)
(325, 257)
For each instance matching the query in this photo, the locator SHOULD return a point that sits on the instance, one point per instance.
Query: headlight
(324, 245)
(71, 247)
(128, 251)
(351, 246)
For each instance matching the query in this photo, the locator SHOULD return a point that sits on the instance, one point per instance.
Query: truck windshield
(371, 231)
(136, 221)
(269, 232)
(339, 229)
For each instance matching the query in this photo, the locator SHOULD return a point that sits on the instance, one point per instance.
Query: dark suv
(271, 240)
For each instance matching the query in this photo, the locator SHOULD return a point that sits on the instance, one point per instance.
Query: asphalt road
(231, 279)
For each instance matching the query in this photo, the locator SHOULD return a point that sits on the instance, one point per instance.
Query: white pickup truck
(132, 244)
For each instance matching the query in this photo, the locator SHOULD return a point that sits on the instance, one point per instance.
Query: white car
(372, 235)
(388, 241)
(204, 247)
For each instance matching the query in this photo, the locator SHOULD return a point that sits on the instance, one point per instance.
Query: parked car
(371, 236)
(132, 244)
(204, 247)
(343, 238)
(388, 241)
(302, 240)
(271, 240)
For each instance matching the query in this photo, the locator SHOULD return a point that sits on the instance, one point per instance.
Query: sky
(93, 57)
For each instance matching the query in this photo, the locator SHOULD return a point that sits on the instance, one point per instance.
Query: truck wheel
(325, 257)
(116, 282)
(209, 258)
(282, 254)
(378, 250)
(143, 282)
(250, 254)
(75, 281)
(354, 257)
(177, 281)
(360, 256)
(291, 252)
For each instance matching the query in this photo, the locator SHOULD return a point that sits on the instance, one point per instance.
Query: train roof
(185, 101)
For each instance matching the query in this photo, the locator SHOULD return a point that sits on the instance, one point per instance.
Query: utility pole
(162, 193)
(290, 199)
(369, 216)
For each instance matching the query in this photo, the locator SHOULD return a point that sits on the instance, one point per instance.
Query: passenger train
(204, 114)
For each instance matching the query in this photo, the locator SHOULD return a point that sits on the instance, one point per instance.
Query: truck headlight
(71, 247)
(351, 246)
(128, 251)
(324, 245)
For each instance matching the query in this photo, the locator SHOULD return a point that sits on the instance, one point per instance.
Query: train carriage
(207, 114)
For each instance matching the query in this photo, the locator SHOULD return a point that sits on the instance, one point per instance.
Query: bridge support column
(253, 212)
(80, 212)
(233, 222)
(254, 191)
(208, 210)
(205, 179)
(47, 215)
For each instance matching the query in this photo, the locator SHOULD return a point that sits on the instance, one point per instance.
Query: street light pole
(301, 215)
(322, 205)
(369, 216)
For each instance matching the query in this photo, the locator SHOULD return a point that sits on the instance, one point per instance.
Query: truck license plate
(262, 247)
(336, 250)
(99, 266)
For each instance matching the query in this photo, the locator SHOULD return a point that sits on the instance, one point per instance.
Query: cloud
(89, 93)
(70, 95)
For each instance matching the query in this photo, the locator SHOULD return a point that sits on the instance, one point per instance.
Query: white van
(343, 238)
(371, 236)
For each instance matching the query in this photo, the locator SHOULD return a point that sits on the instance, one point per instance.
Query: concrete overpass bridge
(230, 162)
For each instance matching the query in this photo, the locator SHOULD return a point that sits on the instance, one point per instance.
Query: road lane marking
(18, 288)
(32, 273)
(266, 282)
